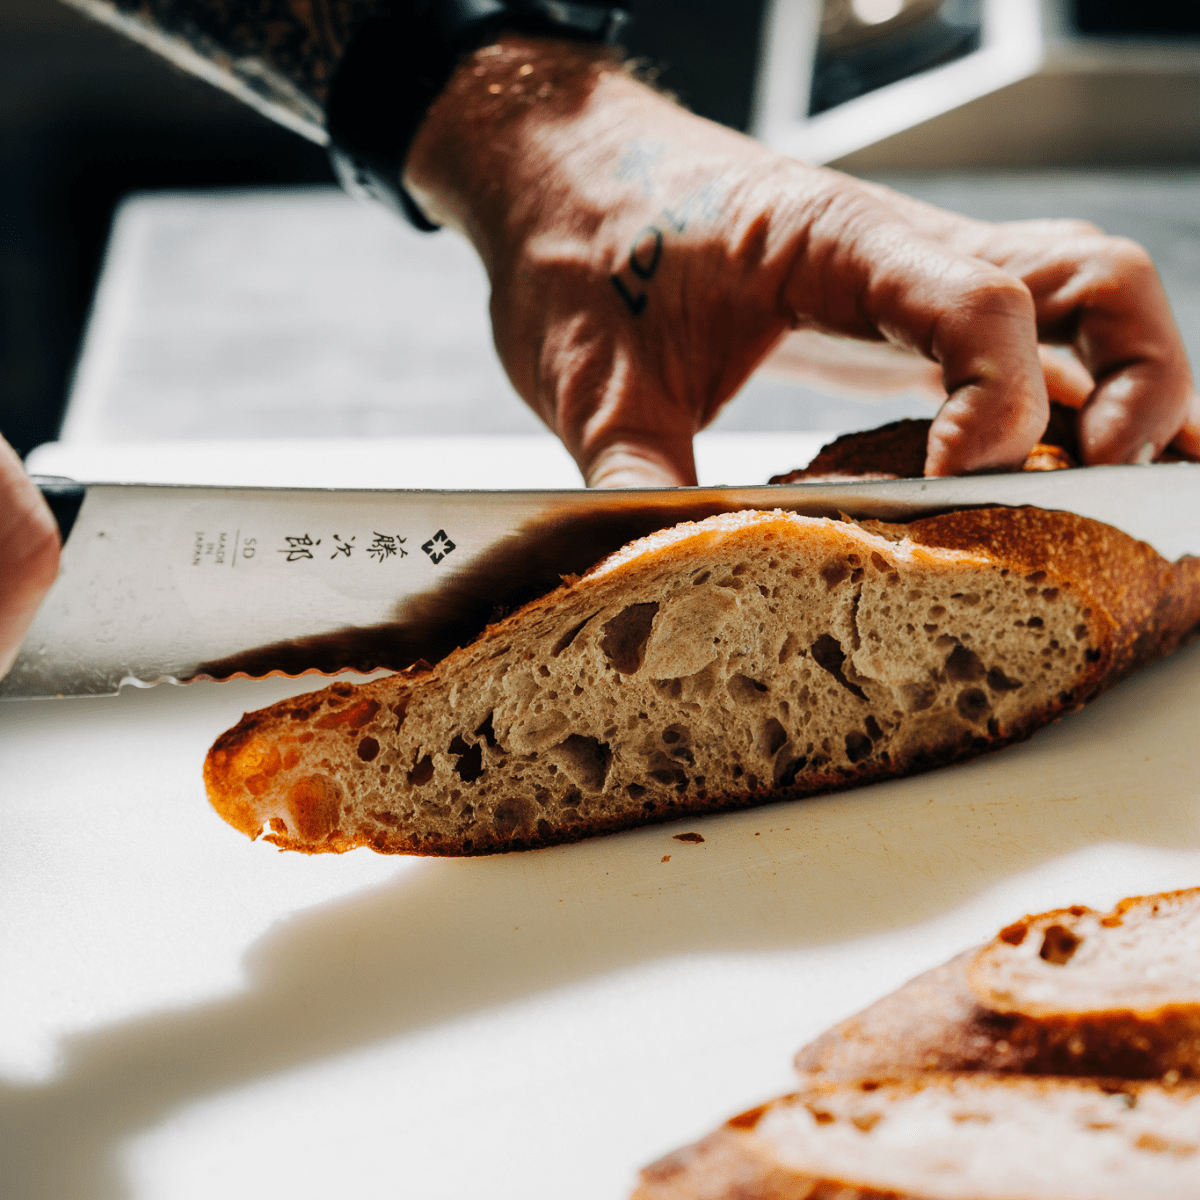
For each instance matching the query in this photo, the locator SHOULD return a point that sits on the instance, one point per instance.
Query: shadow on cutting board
(454, 937)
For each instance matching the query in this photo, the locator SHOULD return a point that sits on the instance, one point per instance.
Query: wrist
(502, 130)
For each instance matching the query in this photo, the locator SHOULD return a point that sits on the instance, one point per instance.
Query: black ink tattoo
(646, 270)
(706, 203)
(636, 304)
(644, 257)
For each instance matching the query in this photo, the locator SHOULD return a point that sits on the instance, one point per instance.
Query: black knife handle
(65, 498)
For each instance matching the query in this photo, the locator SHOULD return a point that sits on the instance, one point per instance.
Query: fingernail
(1145, 455)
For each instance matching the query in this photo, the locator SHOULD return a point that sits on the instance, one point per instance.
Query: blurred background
(977, 104)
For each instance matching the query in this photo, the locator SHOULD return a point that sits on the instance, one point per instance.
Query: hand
(29, 546)
(643, 261)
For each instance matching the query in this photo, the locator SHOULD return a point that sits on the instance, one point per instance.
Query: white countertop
(189, 1014)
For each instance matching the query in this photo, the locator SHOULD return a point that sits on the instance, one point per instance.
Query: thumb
(28, 553)
(639, 459)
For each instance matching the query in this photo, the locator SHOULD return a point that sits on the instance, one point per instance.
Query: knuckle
(998, 293)
(1055, 228)
(1074, 227)
(1128, 258)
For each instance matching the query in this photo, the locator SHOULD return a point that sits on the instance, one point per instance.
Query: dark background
(86, 118)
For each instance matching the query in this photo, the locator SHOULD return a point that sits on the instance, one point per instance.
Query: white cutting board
(187, 1014)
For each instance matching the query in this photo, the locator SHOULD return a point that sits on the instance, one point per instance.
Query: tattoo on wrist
(639, 159)
(645, 253)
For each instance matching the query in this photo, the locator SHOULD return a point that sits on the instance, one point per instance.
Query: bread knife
(178, 583)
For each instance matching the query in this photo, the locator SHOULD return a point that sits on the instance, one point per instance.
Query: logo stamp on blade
(438, 546)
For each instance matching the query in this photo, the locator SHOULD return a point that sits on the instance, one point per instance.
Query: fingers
(865, 274)
(1067, 380)
(639, 460)
(996, 406)
(29, 547)
(1104, 297)
(606, 400)
(1127, 339)
(1187, 440)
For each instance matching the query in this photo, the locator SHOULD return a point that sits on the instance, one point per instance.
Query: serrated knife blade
(172, 583)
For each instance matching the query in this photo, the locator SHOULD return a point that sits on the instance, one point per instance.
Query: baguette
(1070, 992)
(948, 1137)
(750, 657)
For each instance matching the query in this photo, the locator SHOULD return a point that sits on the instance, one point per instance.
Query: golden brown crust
(1153, 605)
(1139, 608)
(720, 1168)
(975, 1012)
(817, 1143)
(936, 1023)
(897, 451)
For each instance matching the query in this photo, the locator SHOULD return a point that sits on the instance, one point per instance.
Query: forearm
(277, 55)
(493, 152)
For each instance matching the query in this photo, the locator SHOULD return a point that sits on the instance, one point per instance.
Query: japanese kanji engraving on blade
(178, 583)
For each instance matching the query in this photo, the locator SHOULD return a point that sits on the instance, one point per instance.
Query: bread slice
(947, 1137)
(1070, 992)
(749, 657)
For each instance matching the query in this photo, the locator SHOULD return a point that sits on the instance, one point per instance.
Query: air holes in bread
(858, 746)
(568, 637)
(745, 690)
(470, 759)
(964, 666)
(791, 644)
(1059, 945)
(788, 771)
(827, 652)
(1014, 934)
(999, 682)
(773, 738)
(486, 731)
(834, 572)
(625, 637)
(584, 759)
(368, 748)
(973, 704)
(513, 813)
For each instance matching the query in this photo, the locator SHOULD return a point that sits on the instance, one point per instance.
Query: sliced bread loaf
(749, 657)
(1070, 992)
(947, 1137)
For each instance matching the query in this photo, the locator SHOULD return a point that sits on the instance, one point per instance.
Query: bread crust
(897, 451)
(1013, 1006)
(290, 770)
(1149, 1136)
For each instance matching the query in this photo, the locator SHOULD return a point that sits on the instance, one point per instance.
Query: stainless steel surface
(173, 583)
